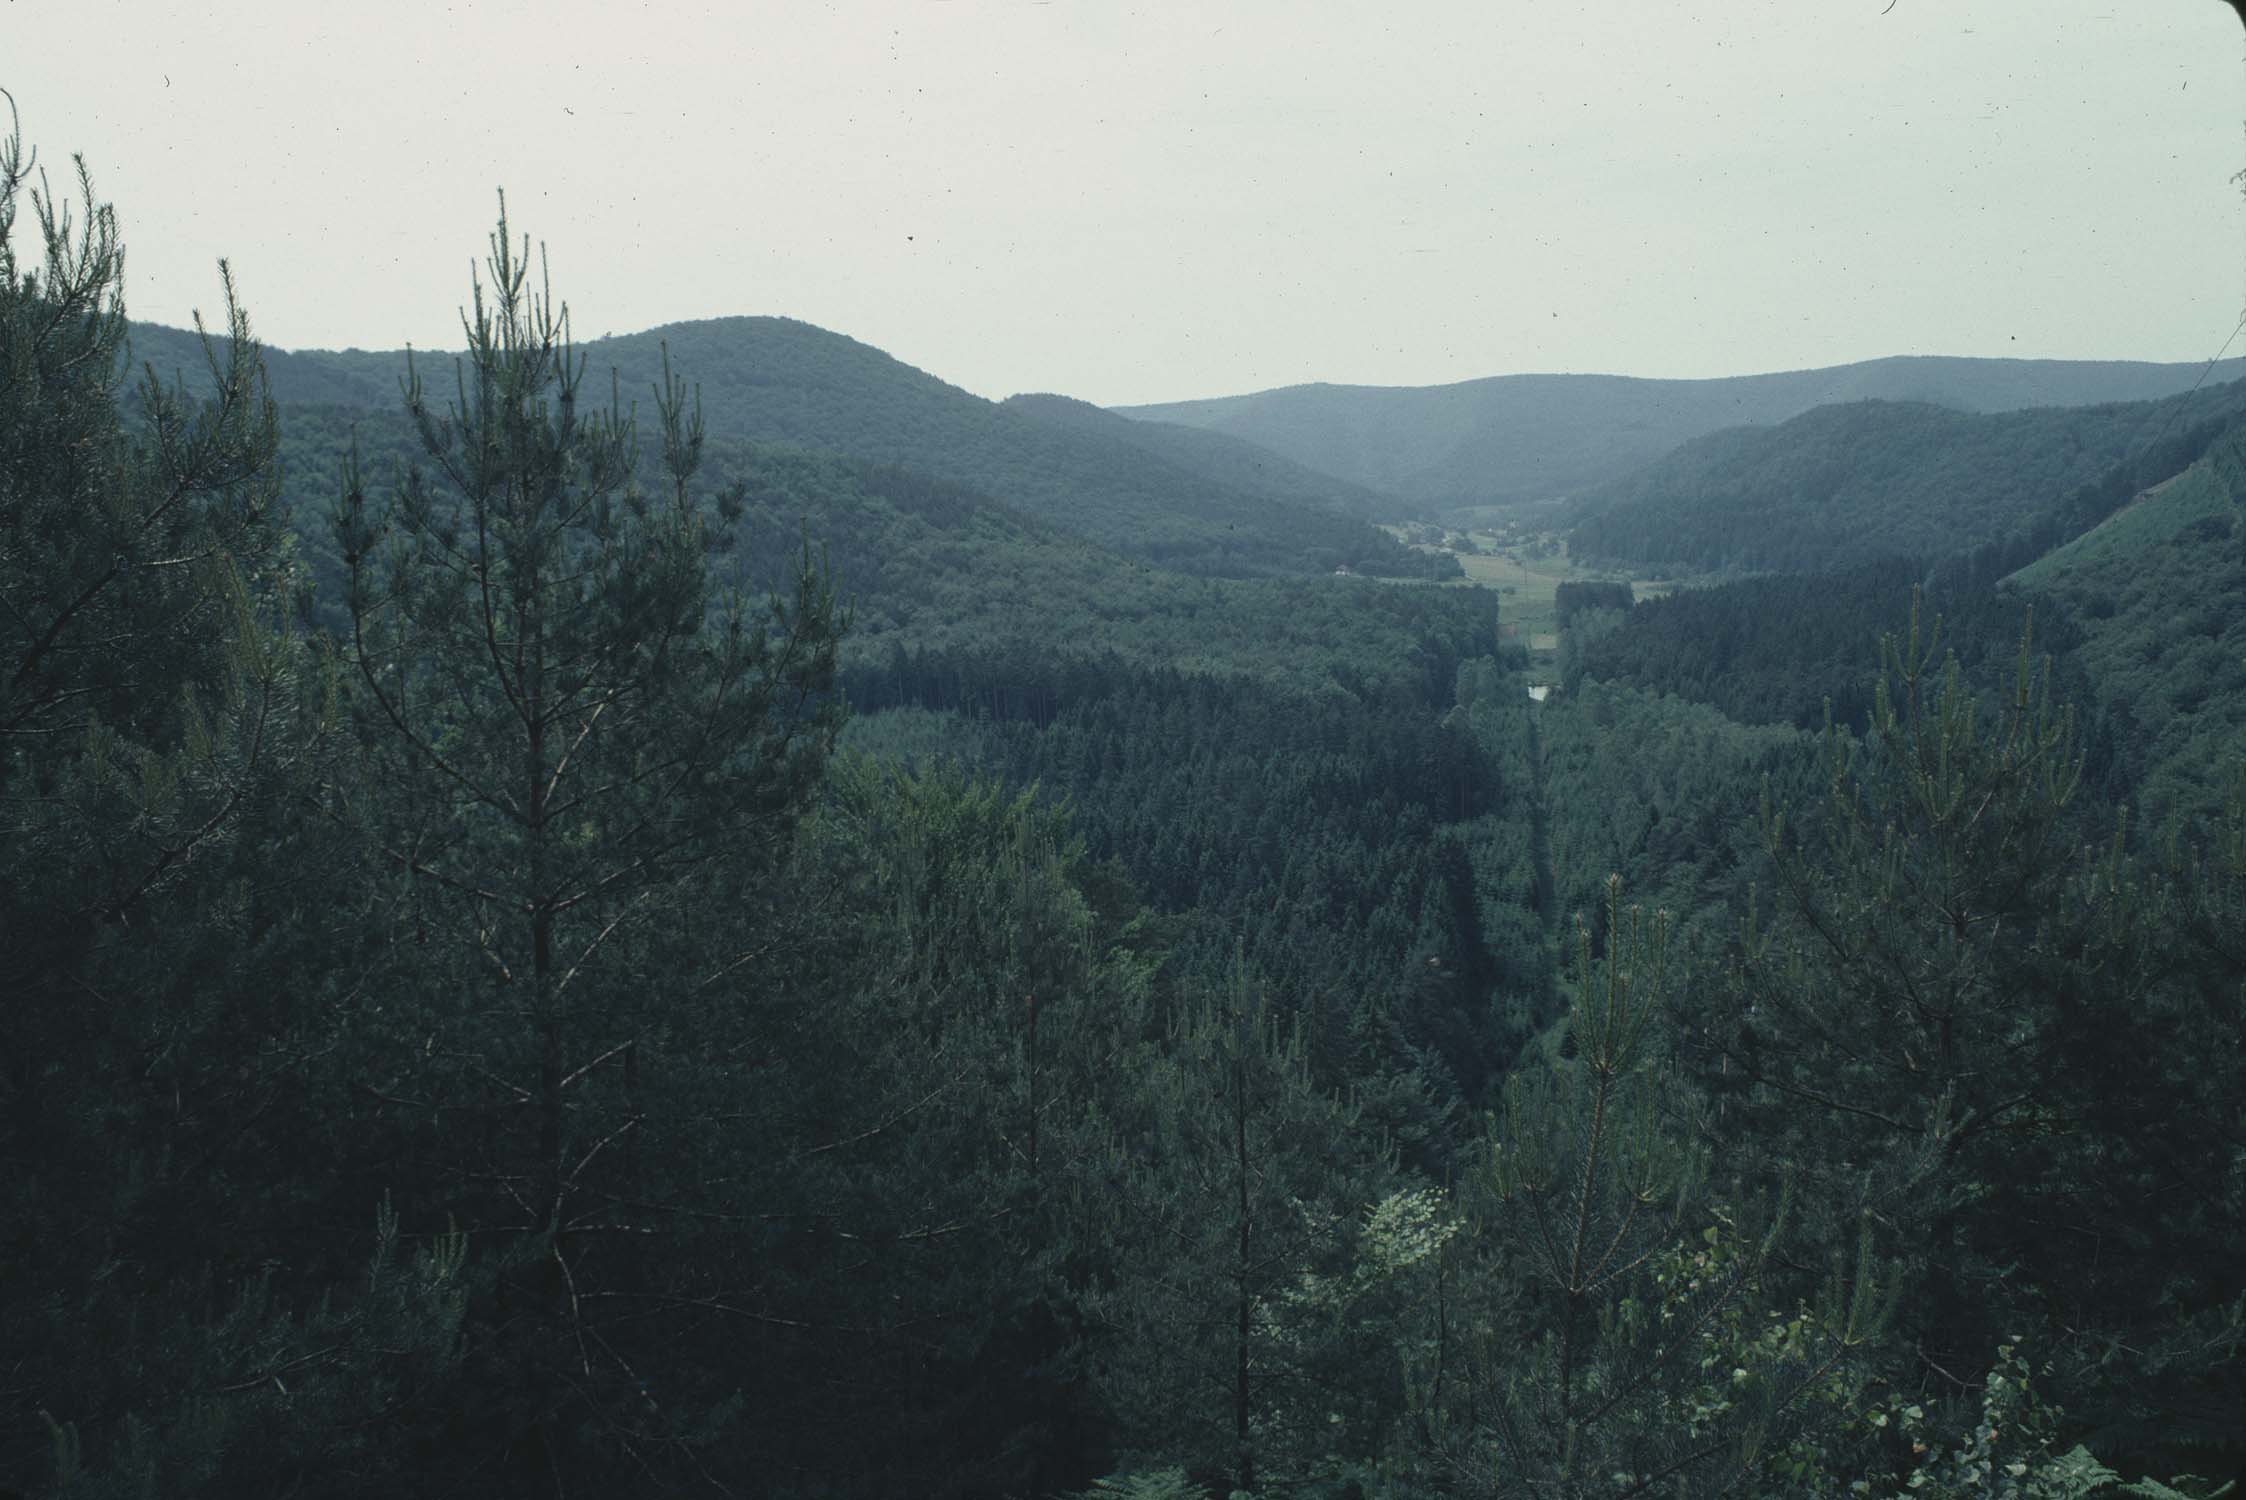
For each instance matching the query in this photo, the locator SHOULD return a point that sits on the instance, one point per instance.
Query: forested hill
(777, 380)
(934, 571)
(2159, 590)
(1230, 461)
(1846, 484)
(1798, 649)
(2144, 613)
(1512, 438)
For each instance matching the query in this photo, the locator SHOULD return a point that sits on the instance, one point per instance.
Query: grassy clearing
(2144, 523)
(1527, 570)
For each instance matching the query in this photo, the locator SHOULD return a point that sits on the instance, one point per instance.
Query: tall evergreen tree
(578, 772)
(1969, 1016)
(958, 1054)
(169, 1325)
(137, 680)
(1621, 1340)
(1241, 1183)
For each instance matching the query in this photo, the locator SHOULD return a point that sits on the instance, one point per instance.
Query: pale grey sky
(1138, 202)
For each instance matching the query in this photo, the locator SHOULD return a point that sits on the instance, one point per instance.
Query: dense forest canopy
(766, 927)
(1190, 504)
(1851, 484)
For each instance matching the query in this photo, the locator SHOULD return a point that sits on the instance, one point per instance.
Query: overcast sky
(1147, 202)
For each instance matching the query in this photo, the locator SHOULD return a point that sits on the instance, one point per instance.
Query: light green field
(2145, 522)
(1528, 573)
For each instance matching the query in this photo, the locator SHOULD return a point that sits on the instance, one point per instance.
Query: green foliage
(1793, 648)
(1916, 904)
(1657, 790)
(2185, 497)
(1844, 485)
(575, 771)
(940, 571)
(156, 719)
(1237, 1176)
(1570, 599)
(776, 381)
(1964, 1017)
(934, 567)
(2012, 1450)
(1155, 1484)
(1615, 1338)
(1069, 1080)
(274, 1398)
(1351, 845)
(131, 562)
(2161, 599)
(1236, 464)
(938, 1066)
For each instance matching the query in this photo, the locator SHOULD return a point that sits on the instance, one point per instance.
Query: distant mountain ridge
(1512, 439)
(1193, 504)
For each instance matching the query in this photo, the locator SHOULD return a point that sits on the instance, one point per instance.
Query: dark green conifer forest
(810, 936)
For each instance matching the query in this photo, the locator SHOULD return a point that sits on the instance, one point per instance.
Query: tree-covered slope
(2160, 593)
(934, 569)
(1537, 437)
(1230, 461)
(2151, 516)
(930, 566)
(1794, 648)
(1848, 484)
(350, 378)
(774, 380)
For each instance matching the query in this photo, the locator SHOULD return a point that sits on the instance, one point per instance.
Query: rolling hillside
(2160, 592)
(772, 380)
(935, 569)
(1230, 461)
(1511, 439)
(1843, 485)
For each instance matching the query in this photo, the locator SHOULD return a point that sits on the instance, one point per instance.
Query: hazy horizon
(1136, 204)
(454, 347)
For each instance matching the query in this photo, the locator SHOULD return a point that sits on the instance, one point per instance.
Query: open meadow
(1527, 571)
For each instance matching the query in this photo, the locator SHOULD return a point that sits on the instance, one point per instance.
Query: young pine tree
(1619, 1339)
(955, 1058)
(169, 1323)
(1950, 1007)
(1241, 1186)
(578, 772)
(140, 683)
